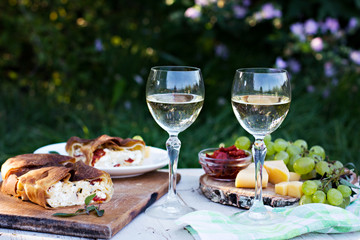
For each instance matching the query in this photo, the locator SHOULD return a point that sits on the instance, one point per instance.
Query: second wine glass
(261, 100)
(175, 96)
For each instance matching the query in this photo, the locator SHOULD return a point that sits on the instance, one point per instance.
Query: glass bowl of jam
(223, 164)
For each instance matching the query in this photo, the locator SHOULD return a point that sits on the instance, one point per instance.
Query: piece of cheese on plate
(277, 170)
(294, 189)
(246, 177)
(282, 188)
(294, 176)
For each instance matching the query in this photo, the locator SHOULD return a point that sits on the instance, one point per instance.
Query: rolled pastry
(58, 185)
(106, 151)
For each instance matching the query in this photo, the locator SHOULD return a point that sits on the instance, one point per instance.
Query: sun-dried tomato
(231, 152)
(130, 160)
(96, 180)
(98, 199)
(97, 155)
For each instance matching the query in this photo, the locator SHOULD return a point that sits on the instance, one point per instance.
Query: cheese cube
(294, 176)
(294, 189)
(277, 170)
(246, 177)
(281, 188)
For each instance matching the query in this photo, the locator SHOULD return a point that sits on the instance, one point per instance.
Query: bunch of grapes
(327, 191)
(328, 182)
(295, 155)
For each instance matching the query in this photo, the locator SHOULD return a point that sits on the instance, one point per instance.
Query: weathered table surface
(144, 227)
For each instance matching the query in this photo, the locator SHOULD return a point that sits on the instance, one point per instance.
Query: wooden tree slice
(226, 193)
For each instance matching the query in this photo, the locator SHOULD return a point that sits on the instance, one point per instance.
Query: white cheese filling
(119, 158)
(79, 155)
(63, 194)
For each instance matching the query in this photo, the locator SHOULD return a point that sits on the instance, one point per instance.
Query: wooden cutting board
(131, 197)
(226, 193)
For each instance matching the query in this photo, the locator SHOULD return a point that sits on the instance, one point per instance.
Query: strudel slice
(66, 184)
(106, 151)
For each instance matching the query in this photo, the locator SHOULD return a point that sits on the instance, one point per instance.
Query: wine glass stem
(173, 145)
(259, 152)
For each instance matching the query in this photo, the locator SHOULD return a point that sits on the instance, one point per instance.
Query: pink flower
(355, 57)
(192, 13)
(203, 2)
(317, 44)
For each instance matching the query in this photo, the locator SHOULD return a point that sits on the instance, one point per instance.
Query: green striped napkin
(315, 217)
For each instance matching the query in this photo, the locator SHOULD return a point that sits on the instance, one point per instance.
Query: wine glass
(175, 96)
(261, 100)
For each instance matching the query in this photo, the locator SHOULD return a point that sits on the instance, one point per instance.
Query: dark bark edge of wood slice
(226, 193)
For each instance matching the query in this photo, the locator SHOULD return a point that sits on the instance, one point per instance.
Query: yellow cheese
(246, 177)
(282, 188)
(294, 176)
(294, 189)
(277, 170)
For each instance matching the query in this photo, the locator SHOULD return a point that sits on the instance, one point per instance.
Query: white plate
(157, 159)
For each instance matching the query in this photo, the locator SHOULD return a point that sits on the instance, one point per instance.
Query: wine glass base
(257, 218)
(167, 210)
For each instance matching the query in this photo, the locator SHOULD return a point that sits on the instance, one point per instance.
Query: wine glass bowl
(175, 96)
(260, 100)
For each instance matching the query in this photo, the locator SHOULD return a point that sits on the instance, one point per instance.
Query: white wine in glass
(260, 99)
(175, 96)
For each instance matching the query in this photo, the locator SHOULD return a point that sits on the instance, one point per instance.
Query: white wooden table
(144, 227)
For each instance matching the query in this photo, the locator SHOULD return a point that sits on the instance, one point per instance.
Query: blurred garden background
(80, 67)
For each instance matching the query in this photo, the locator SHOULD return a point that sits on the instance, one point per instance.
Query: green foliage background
(79, 68)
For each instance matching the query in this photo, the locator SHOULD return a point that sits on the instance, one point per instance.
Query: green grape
(309, 187)
(334, 197)
(293, 150)
(319, 197)
(338, 164)
(345, 202)
(138, 137)
(221, 145)
(280, 144)
(316, 158)
(305, 199)
(345, 190)
(310, 175)
(270, 150)
(290, 164)
(304, 165)
(317, 150)
(322, 167)
(243, 143)
(282, 155)
(267, 139)
(327, 187)
(318, 182)
(301, 144)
